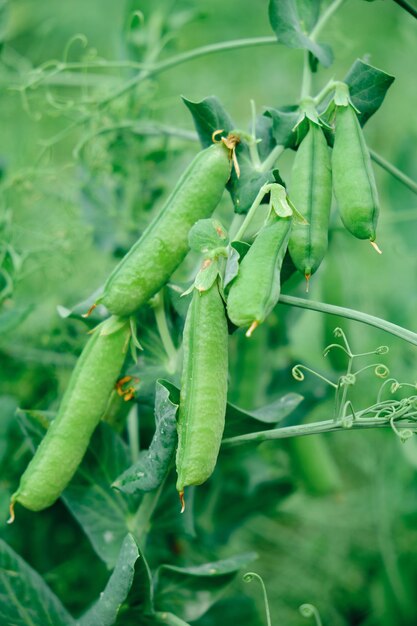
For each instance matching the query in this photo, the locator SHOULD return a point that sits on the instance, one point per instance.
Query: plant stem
(250, 215)
(307, 77)
(351, 314)
(323, 19)
(271, 159)
(316, 428)
(157, 68)
(407, 7)
(133, 432)
(161, 322)
(394, 171)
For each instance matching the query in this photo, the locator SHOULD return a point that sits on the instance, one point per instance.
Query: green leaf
(367, 87)
(153, 464)
(292, 21)
(102, 512)
(25, 599)
(283, 125)
(104, 611)
(10, 320)
(206, 236)
(243, 421)
(190, 591)
(79, 311)
(209, 115)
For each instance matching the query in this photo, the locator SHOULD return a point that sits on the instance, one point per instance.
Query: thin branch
(394, 171)
(351, 314)
(407, 7)
(317, 428)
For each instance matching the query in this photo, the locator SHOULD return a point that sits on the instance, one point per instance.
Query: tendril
(403, 435)
(248, 578)
(309, 610)
(380, 370)
(333, 346)
(297, 372)
(78, 37)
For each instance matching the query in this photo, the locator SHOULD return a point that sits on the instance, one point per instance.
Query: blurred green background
(73, 201)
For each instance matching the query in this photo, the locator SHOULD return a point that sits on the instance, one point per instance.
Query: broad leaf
(25, 599)
(367, 87)
(100, 510)
(11, 319)
(153, 464)
(104, 611)
(283, 125)
(242, 421)
(190, 591)
(209, 115)
(292, 21)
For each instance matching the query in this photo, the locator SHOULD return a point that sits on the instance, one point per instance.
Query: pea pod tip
(251, 328)
(376, 247)
(182, 500)
(12, 513)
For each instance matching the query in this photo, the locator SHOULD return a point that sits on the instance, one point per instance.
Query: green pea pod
(85, 401)
(311, 193)
(255, 290)
(353, 176)
(203, 388)
(155, 256)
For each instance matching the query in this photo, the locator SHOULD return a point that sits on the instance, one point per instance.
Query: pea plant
(152, 447)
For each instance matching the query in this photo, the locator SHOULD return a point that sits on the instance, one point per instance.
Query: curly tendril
(309, 610)
(248, 578)
(298, 373)
(347, 379)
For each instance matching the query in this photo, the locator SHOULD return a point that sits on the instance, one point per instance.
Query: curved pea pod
(84, 403)
(353, 176)
(256, 289)
(203, 388)
(311, 193)
(164, 244)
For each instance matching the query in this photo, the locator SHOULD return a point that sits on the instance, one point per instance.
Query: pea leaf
(283, 125)
(104, 611)
(293, 20)
(190, 591)
(207, 235)
(209, 115)
(243, 421)
(101, 511)
(11, 319)
(24, 596)
(153, 464)
(367, 87)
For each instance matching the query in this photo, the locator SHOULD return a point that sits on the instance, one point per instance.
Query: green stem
(133, 434)
(351, 314)
(317, 428)
(323, 19)
(394, 171)
(139, 524)
(157, 68)
(161, 322)
(272, 158)
(307, 77)
(250, 215)
(407, 7)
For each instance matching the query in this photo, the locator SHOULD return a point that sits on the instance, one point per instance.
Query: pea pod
(203, 388)
(311, 193)
(255, 290)
(353, 176)
(84, 402)
(164, 244)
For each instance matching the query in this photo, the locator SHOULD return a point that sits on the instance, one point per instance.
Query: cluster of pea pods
(250, 295)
